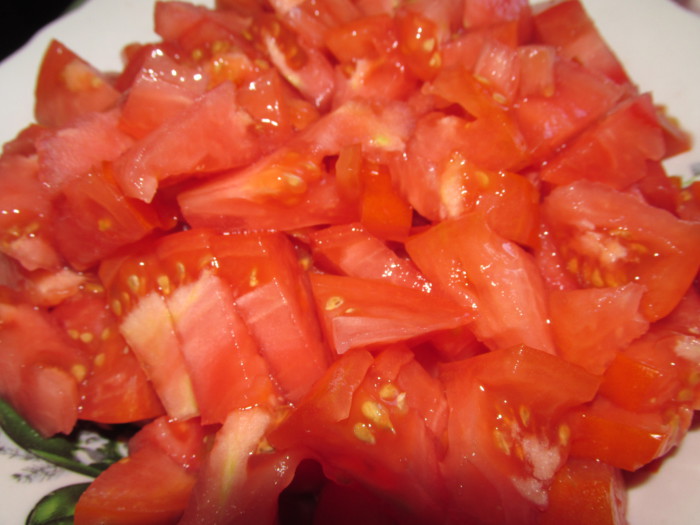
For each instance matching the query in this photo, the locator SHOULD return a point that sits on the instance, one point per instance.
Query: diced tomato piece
(536, 70)
(94, 218)
(183, 441)
(285, 191)
(494, 277)
(608, 238)
(156, 94)
(72, 151)
(25, 214)
(567, 26)
(148, 487)
(364, 312)
(615, 151)
(40, 369)
(625, 439)
(212, 134)
(591, 325)
(149, 331)
(580, 98)
(362, 408)
(223, 488)
(506, 434)
(222, 359)
(351, 250)
(68, 87)
(114, 388)
(586, 491)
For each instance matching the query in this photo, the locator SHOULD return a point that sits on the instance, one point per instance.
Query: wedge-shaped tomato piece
(365, 419)
(115, 388)
(185, 442)
(609, 238)
(623, 438)
(222, 359)
(659, 370)
(147, 487)
(26, 214)
(586, 491)
(285, 191)
(68, 153)
(489, 275)
(93, 218)
(567, 25)
(487, 12)
(149, 330)
(580, 97)
(615, 151)
(239, 477)
(509, 200)
(39, 369)
(507, 435)
(211, 135)
(155, 94)
(592, 325)
(305, 67)
(364, 312)
(272, 289)
(68, 87)
(349, 249)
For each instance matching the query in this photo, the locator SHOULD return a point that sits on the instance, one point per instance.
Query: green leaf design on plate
(97, 450)
(57, 507)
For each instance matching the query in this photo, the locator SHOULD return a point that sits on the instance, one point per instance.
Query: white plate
(657, 41)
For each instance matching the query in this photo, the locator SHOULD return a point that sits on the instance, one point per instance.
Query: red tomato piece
(568, 26)
(147, 488)
(364, 312)
(40, 369)
(351, 250)
(608, 238)
(68, 87)
(114, 389)
(360, 410)
(494, 278)
(183, 441)
(25, 214)
(586, 491)
(70, 152)
(506, 435)
(615, 151)
(94, 218)
(580, 98)
(212, 134)
(221, 357)
(591, 325)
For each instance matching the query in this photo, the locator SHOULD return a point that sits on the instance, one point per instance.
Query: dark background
(20, 19)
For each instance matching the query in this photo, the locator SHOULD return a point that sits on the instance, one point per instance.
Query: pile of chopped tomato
(350, 261)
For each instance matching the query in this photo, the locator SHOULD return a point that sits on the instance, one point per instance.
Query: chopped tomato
(608, 238)
(349, 260)
(69, 87)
